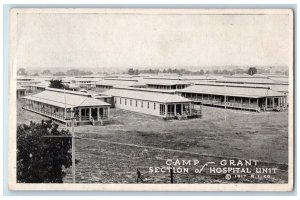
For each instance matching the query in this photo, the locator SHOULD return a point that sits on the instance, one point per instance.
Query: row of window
(136, 103)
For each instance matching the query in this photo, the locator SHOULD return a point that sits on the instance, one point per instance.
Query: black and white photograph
(109, 99)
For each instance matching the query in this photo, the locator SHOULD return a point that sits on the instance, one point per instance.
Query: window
(120, 100)
(162, 109)
(130, 102)
(142, 104)
(148, 105)
(154, 106)
(136, 103)
(125, 101)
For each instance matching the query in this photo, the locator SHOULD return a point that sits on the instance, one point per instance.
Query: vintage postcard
(151, 99)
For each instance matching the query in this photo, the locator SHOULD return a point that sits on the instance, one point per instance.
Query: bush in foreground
(42, 153)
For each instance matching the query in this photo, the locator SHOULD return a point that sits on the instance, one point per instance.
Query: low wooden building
(21, 92)
(85, 83)
(147, 89)
(163, 105)
(244, 98)
(105, 98)
(32, 89)
(62, 105)
(23, 81)
(111, 83)
(165, 84)
(254, 80)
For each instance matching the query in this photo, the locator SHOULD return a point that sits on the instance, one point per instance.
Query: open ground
(112, 153)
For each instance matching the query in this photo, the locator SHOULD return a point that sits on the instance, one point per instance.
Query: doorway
(178, 109)
(94, 113)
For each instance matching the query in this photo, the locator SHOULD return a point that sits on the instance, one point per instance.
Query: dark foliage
(252, 71)
(132, 71)
(41, 159)
(56, 84)
(182, 71)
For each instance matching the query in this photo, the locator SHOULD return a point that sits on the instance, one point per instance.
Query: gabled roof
(20, 88)
(232, 91)
(146, 96)
(254, 79)
(63, 100)
(115, 82)
(165, 82)
(146, 89)
(278, 88)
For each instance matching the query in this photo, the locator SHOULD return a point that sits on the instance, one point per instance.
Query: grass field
(112, 153)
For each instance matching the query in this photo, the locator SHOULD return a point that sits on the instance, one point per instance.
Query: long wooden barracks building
(243, 98)
(167, 106)
(62, 105)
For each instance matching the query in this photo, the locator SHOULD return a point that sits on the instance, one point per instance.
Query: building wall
(136, 106)
(166, 87)
(20, 93)
(109, 100)
(102, 88)
(59, 113)
(246, 103)
(53, 111)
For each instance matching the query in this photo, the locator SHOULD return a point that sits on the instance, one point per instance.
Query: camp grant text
(232, 166)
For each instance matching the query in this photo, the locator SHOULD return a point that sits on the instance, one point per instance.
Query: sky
(89, 41)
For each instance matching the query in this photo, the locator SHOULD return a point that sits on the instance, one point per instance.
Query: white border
(141, 187)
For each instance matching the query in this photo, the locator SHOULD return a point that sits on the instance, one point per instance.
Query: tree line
(47, 72)
(250, 71)
(181, 71)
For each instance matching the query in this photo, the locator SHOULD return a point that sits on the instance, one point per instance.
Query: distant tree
(225, 72)
(239, 71)
(252, 71)
(21, 72)
(59, 74)
(201, 71)
(56, 84)
(136, 72)
(46, 72)
(42, 159)
(88, 73)
(72, 72)
(131, 71)
(35, 74)
(215, 71)
(76, 72)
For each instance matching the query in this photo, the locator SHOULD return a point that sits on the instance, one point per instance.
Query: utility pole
(225, 106)
(171, 175)
(225, 100)
(65, 105)
(73, 136)
(73, 148)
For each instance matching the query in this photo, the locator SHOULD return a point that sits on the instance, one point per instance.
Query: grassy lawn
(244, 135)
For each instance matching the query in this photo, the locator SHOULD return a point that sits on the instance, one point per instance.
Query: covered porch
(95, 115)
(65, 107)
(240, 102)
(180, 110)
